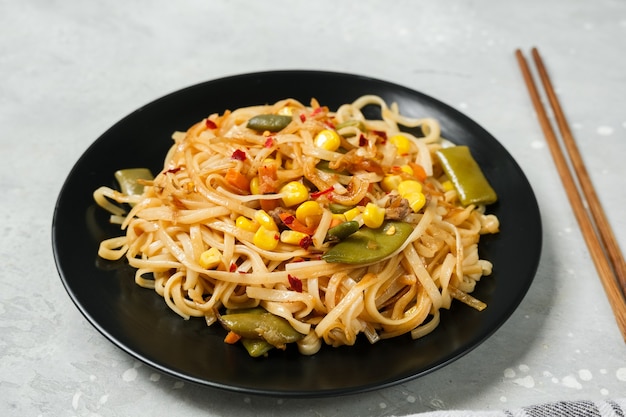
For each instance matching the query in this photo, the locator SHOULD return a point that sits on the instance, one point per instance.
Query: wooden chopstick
(600, 240)
(599, 217)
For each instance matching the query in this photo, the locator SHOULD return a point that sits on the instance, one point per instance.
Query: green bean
(341, 231)
(337, 208)
(369, 245)
(466, 175)
(270, 122)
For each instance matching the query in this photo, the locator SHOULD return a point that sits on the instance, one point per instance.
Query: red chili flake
(239, 155)
(382, 134)
(362, 140)
(322, 192)
(210, 124)
(316, 110)
(302, 117)
(173, 170)
(269, 142)
(288, 220)
(295, 282)
(233, 267)
(305, 242)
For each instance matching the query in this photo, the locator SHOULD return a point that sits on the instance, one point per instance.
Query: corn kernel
(327, 139)
(266, 239)
(292, 237)
(246, 224)
(447, 185)
(409, 186)
(416, 200)
(352, 213)
(309, 212)
(402, 144)
(373, 215)
(286, 111)
(339, 217)
(390, 182)
(294, 193)
(254, 185)
(269, 162)
(211, 258)
(265, 220)
(407, 169)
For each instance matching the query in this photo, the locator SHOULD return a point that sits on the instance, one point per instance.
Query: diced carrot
(294, 224)
(269, 205)
(237, 180)
(418, 171)
(268, 179)
(232, 338)
(335, 222)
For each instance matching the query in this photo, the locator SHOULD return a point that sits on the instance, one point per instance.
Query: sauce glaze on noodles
(193, 205)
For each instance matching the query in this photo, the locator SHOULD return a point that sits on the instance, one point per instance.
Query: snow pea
(466, 175)
(127, 179)
(369, 245)
(269, 122)
(261, 325)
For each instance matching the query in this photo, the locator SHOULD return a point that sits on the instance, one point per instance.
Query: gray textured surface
(69, 70)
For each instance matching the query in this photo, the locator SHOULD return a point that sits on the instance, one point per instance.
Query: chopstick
(597, 232)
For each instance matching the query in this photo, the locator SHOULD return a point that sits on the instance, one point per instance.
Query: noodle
(215, 229)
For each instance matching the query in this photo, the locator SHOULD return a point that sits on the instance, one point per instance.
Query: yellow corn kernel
(292, 237)
(409, 186)
(390, 182)
(269, 162)
(266, 239)
(407, 169)
(265, 220)
(339, 217)
(327, 139)
(416, 200)
(373, 215)
(309, 212)
(447, 185)
(352, 213)
(294, 193)
(402, 144)
(254, 185)
(246, 224)
(211, 258)
(286, 111)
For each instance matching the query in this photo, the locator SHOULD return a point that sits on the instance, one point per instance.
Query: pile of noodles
(189, 207)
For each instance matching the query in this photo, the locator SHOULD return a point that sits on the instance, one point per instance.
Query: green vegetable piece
(270, 122)
(251, 310)
(325, 167)
(127, 179)
(369, 245)
(337, 208)
(342, 231)
(254, 325)
(466, 175)
(256, 347)
(348, 123)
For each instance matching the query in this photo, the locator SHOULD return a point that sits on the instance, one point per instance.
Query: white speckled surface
(69, 70)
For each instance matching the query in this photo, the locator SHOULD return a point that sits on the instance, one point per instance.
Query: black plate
(138, 321)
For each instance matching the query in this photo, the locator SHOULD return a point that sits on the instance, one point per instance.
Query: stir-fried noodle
(239, 217)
